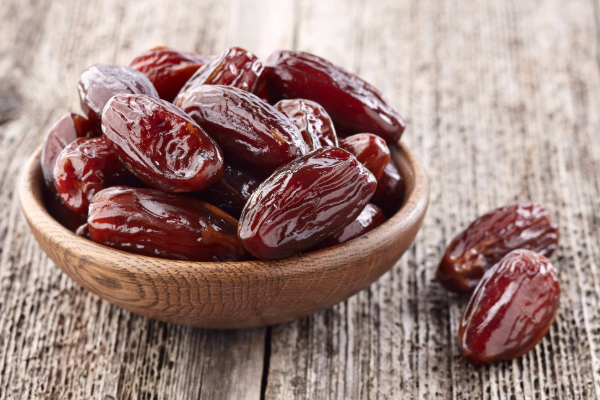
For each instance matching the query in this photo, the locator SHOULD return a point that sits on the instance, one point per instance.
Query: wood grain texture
(502, 101)
(229, 295)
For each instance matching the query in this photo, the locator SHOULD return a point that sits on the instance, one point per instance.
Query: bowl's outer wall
(236, 294)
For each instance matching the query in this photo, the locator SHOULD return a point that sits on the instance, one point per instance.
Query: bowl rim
(414, 208)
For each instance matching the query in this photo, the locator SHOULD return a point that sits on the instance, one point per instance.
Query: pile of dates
(223, 158)
(501, 259)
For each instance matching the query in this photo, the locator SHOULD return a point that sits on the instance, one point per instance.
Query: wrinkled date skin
(158, 224)
(354, 105)
(370, 150)
(168, 69)
(511, 310)
(161, 145)
(231, 192)
(85, 167)
(518, 225)
(389, 195)
(312, 120)
(305, 202)
(250, 131)
(234, 67)
(370, 218)
(100, 82)
(66, 130)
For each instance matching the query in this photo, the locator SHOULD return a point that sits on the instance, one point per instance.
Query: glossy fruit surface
(370, 150)
(160, 144)
(370, 218)
(250, 131)
(66, 130)
(354, 105)
(231, 192)
(305, 202)
(518, 225)
(511, 309)
(168, 69)
(389, 195)
(233, 67)
(85, 167)
(158, 224)
(312, 120)
(99, 83)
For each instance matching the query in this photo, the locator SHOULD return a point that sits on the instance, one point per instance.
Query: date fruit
(66, 130)
(518, 225)
(100, 82)
(231, 192)
(160, 144)
(511, 310)
(168, 69)
(312, 120)
(233, 67)
(370, 150)
(158, 224)
(370, 218)
(83, 168)
(353, 104)
(305, 202)
(390, 190)
(250, 131)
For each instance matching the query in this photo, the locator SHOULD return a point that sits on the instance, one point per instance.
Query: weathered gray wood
(502, 101)
(56, 340)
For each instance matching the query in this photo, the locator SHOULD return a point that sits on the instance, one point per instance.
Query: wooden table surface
(502, 100)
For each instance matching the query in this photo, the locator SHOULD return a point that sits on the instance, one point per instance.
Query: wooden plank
(56, 340)
(501, 100)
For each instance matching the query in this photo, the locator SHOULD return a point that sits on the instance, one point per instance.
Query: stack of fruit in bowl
(223, 158)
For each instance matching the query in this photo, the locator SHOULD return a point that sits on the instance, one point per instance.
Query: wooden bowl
(229, 294)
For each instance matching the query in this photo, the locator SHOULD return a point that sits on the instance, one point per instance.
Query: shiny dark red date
(353, 104)
(85, 167)
(312, 120)
(370, 218)
(160, 144)
(168, 69)
(511, 309)
(305, 202)
(99, 83)
(250, 131)
(519, 225)
(66, 130)
(370, 150)
(233, 67)
(158, 224)
(390, 190)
